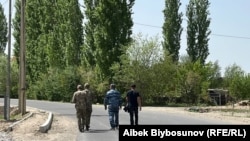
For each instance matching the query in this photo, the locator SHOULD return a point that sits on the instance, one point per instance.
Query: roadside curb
(42, 128)
(47, 124)
(10, 128)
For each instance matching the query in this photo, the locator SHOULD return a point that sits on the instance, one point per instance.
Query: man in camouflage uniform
(89, 104)
(80, 100)
(114, 101)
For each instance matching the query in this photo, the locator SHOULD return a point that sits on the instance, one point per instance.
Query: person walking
(133, 100)
(80, 100)
(113, 100)
(88, 104)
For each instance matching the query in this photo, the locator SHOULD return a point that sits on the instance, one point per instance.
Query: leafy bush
(56, 85)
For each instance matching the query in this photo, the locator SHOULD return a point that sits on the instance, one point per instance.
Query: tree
(3, 30)
(54, 35)
(234, 78)
(16, 32)
(89, 42)
(68, 34)
(145, 64)
(109, 28)
(3, 73)
(36, 56)
(198, 30)
(172, 28)
(194, 79)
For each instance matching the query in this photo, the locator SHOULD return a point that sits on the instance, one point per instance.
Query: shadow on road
(99, 131)
(100, 115)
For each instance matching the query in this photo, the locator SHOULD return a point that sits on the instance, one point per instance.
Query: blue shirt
(113, 99)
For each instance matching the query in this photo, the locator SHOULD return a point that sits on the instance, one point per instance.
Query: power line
(147, 25)
(154, 26)
(221, 35)
(231, 36)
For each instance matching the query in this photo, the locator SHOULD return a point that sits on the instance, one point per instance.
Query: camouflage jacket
(89, 99)
(80, 100)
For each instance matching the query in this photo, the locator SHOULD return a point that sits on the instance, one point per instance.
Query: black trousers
(133, 113)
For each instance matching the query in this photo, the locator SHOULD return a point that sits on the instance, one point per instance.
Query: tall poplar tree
(3, 30)
(172, 28)
(67, 34)
(16, 32)
(89, 29)
(54, 35)
(109, 28)
(198, 30)
(36, 57)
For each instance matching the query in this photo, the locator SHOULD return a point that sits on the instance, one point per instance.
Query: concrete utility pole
(22, 79)
(7, 95)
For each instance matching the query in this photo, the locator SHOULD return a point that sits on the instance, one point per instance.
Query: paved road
(99, 121)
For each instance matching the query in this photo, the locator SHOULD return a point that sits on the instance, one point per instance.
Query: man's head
(112, 86)
(86, 85)
(79, 87)
(133, 86)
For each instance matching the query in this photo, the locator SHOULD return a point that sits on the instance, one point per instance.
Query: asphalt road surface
(100, 128)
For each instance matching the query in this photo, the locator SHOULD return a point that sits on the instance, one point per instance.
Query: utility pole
(22, 81)
(7, 96)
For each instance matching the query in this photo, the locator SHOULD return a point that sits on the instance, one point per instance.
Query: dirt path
(62, 128)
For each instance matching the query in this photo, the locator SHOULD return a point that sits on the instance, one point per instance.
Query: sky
(230, 28)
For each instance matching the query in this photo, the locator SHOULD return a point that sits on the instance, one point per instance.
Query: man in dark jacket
(133, 99)
(114, 101)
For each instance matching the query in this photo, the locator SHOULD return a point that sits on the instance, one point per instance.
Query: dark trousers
(133, 113)
(88, 116)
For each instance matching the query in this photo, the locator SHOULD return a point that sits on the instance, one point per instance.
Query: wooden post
(22, 88)
(7, 95)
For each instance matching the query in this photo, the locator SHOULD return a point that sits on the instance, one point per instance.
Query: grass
(14, 115)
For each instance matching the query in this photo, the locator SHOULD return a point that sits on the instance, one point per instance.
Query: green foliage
(59, 58)
(54, 36)
(14, 79)
(142, 64)
(3, 30)
(194, 79)
(56, 85)
(3, 73)
(89, 42)
(108, 29)
(198, 30)
(172, 28)
(16, 33)
(59, 85)
(14, 76)
(237, 82)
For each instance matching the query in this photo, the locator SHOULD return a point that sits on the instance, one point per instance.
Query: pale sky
(230, 25)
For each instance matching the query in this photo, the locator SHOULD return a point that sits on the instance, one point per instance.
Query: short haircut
(112, 86)
(133, 85)
(86, 85)
(79, 86)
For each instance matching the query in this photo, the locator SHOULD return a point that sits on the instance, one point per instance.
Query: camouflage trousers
(81, 114)
(87, 118)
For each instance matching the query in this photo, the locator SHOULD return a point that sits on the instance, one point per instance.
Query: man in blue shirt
(114, 101)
